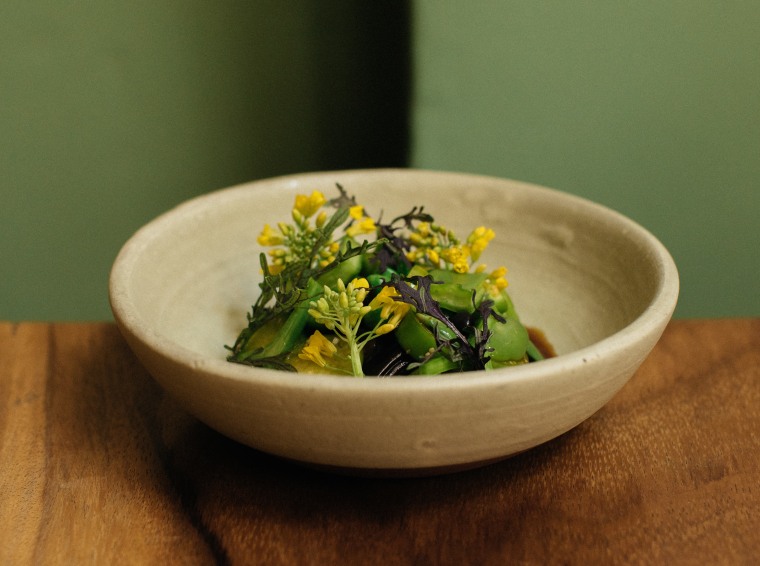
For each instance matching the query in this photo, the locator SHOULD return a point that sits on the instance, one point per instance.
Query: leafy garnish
(394, 253)
(278, 362)
(418, 295)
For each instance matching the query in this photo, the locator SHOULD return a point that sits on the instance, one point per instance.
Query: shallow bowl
(600, 286)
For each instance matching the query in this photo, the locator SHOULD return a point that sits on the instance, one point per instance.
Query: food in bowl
(346, 293)
(601, 286)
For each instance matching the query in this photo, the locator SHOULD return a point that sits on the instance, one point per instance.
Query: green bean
(436, 365)
(504, 306)
(414, 337)
(291, 330)
(508, 340)
(345, 270)
(454, 297)
(533, 352)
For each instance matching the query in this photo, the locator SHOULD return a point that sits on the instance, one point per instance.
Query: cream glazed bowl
(600, 286)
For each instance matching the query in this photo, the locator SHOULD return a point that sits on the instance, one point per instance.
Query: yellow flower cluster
(307, 206)
(497, 280)
(298, 239)
(428, 242)
(435, 246)
(457, 258)
(341, 311)
(478, 241)
(362, 224)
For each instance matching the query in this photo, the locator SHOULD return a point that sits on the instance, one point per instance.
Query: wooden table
(98, 466)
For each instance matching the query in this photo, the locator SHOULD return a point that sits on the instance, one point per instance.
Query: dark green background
(113, 112)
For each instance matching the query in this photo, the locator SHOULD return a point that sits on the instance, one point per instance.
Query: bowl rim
(653, 318)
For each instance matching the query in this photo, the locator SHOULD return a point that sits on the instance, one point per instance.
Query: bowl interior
(578, 271)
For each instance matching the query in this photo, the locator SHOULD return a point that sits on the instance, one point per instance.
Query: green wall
(113, 112)
(652, 108)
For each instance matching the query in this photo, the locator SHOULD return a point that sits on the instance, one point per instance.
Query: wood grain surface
(98, 466)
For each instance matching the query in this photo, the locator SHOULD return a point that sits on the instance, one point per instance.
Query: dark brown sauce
(542, 342)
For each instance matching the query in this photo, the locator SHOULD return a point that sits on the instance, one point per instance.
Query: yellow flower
(358, 287)
(270, 237)
(364, 226)
(356, 212)
(498, 278)
(478, 240)
(360, 283)
(385, 328)
(391, 310)
(457, 257)
(413, 255)
(316, 347)
(321, 219)
(275, 268)
(309, 205)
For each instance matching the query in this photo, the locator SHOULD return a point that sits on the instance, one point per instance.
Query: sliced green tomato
(508, 340)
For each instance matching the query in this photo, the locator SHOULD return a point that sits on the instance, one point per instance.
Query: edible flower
(392, 311)
(362, 224)
(478, 241)
(457, 257)
(307, 206)
(318, 348)
(302, 241)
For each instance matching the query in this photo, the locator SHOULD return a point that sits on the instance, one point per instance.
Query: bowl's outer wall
(394, 428)
(600, 286)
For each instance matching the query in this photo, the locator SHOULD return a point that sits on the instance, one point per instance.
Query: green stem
(355, 353)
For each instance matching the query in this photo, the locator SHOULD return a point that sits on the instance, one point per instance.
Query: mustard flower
(307, 206)
(457, 257)
(391, 310)
(362, 224)
(478, 240)
(270, 237)
(318, 348)
(341, 311)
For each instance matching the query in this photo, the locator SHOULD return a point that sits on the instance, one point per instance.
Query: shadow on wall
(365, 95)
(339, 97)
(113, 114)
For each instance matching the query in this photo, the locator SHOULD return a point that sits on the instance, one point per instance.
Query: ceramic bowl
(600, 286)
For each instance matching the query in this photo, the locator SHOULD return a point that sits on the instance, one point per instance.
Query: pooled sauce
(541, 342)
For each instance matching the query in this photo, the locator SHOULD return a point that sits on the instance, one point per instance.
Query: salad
(345, 293)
